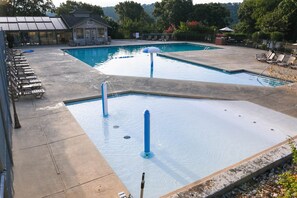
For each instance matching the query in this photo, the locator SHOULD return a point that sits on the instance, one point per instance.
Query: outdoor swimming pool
(130, 61)
(186, 143)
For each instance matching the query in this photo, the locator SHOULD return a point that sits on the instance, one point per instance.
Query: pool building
(79, 27)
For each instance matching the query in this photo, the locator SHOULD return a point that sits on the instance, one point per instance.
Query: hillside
(149, 8)
(233, 8)
(110, 11)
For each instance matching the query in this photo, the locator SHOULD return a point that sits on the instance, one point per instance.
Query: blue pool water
(130, 61)
(186, 143)
(97, 56)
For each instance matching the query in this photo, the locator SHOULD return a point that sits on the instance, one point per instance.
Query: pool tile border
(223, 181)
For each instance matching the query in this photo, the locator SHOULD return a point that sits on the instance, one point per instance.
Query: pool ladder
(261, 75)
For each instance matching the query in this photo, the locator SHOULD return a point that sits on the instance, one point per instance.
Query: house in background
(87, 28)
(79, 27)
(35, 30)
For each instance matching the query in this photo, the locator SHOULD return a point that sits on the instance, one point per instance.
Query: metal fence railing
(6, 163)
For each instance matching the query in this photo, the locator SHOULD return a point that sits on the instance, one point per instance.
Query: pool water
(100, 55)
(190, 141)
(130, 61)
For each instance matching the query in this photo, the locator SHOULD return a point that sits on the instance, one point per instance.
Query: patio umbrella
(151, 50)
(226, 29)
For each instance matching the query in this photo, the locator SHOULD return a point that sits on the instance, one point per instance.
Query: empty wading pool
(189, 138)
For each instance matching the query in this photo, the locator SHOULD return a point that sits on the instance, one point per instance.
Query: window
(32, 26)
(4, 26)
(23, 26)
(101, 32)
(41, 26)
(43, 38)
(79, 33)
(87, 34)
(90, 23)
(59, 25)
(51, 38)
(33, 37)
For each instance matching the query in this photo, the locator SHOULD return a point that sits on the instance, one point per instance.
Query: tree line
(256, 18)
(132, 16)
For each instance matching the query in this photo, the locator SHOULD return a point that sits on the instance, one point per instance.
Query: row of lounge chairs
(283, 60)
(158, 38)
(22, 79)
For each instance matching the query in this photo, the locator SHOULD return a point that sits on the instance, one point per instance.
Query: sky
(105, 3)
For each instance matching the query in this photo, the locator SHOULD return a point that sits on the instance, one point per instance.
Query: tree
(233, 9)
(133, 18)
(26, 7)
(130, 10)
(70, 5)
(173, 12)
(287, 15)
(6, 8)
(212, 14)
(113, 29)
(289, 10)
(245, 14)
(268, 16)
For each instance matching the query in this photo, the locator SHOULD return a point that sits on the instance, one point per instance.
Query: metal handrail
(2, 178)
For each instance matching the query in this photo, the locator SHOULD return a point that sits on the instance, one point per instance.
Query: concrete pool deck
(53, 157)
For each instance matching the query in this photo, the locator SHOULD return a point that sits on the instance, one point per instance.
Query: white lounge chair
(263, 56)
(289, 62)
(279, 59)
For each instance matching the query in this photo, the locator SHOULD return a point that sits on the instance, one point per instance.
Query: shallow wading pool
(190, 138)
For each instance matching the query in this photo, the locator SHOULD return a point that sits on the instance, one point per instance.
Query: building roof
(30, 23)
(71, 20)
(81, 11)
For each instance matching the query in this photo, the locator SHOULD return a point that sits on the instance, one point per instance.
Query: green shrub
(264, 36)
(256, 36)
(277, 36)
(238, 37)
(183, 27)
(192, 36)
(288, 180)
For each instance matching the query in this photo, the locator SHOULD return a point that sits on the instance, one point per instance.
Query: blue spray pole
(147, 131)
(152, 64)
(104, 99)
(147, 152)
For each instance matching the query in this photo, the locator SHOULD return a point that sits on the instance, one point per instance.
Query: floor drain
(116, 126)
(239, 115)
(271, 129)
(225, 109)
(127, 137)
(254, 122)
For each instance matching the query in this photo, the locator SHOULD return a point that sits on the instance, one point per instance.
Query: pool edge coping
(116, 93)
(234, 71)
(222, 181)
